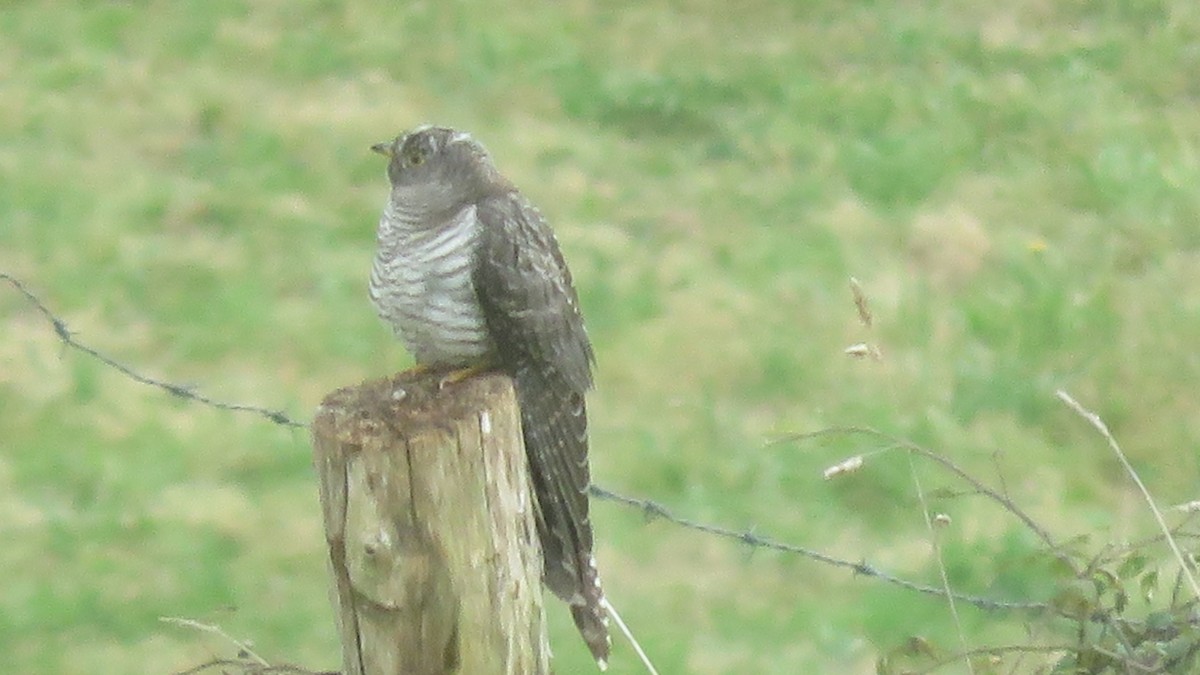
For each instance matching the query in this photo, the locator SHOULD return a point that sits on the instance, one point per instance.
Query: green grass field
(1016, 185)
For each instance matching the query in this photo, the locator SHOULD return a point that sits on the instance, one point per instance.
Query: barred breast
(421, 285)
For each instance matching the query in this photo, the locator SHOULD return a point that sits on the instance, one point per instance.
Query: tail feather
(554, 422)
(592, 621)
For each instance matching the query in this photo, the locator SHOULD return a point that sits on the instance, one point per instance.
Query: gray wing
(526, 292)
(532, 313)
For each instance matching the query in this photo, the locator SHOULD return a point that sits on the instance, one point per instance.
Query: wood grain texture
(429, 520)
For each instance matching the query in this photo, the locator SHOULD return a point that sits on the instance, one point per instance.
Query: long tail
(554, 421)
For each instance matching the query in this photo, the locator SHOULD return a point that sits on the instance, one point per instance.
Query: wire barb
(756, 541)
(67, 336)
(651, 510)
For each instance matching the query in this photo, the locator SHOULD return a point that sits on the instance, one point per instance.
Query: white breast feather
(421, 285)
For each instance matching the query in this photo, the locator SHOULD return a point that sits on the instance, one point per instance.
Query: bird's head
(434, 165)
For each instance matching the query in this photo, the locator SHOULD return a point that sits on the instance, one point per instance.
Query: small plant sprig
(1112, 612)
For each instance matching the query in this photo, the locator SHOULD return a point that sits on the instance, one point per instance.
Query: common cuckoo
(469, 275)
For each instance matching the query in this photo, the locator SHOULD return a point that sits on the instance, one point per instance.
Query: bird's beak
(384, 149)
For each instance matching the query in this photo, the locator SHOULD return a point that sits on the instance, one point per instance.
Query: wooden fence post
(429, 519)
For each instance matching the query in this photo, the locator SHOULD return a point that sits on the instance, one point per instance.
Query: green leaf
(1075, 600)
(1149, 585)
(915, 652)
(1132, 566)
(1159, 621)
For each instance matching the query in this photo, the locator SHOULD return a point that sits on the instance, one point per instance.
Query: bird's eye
(415, 157)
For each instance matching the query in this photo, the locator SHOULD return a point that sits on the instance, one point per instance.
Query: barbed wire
(182, 391)
(650, 509)
(654, 510)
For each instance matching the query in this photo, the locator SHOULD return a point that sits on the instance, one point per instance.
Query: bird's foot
(421, 369)
(460, 374)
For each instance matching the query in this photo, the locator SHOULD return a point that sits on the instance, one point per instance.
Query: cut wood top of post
(415, 399)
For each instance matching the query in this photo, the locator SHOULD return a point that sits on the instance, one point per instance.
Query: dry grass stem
(936, 548)
(860, 302)
(843, 467)
(1098, 423)
(242, 647)
(863, 350)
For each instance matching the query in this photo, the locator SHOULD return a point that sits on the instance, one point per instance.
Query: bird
(470, 276)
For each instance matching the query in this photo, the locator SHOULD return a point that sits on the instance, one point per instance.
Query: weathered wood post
(429, 519)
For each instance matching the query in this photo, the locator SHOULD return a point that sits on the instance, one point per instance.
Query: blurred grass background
(1017, 186)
